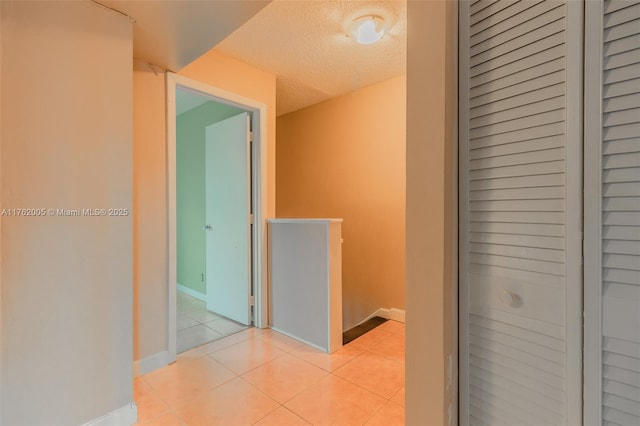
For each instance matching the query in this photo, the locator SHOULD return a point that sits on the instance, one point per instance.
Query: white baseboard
(300, 340)
(191, 292)
(151, 363)
(391, 314)
(396, 314)
(127, 415)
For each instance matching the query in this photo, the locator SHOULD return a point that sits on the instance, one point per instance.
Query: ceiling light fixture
(367, 29)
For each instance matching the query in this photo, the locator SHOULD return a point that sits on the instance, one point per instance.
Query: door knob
(509, 299)
(206, 228)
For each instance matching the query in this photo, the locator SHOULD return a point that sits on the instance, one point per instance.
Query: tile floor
(197, 326)
(261, 377)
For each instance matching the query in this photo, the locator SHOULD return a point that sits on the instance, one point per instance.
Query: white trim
(258, 110)
(463, 214)
(297, 338)
(191, 292)
(172, 269)
(452, 361)
(397, 314)
(311, 221)
(574, 31)
(151, 363)
(382, 312)
(127, 415)
(394, 314)
(592, 245)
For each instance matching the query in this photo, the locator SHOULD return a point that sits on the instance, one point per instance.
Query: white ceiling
(173, 33)
(305, 43)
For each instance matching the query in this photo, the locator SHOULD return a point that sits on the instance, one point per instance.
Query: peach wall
(345, 158)
(66, 130)
(431, 358)
(150, 211)
(150, 191)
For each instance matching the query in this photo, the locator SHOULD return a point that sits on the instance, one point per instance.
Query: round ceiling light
(367, 29)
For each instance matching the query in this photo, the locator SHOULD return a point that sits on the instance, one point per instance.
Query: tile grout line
(301, 390)
(285, 347)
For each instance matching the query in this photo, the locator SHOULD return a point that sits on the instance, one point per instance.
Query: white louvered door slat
(520, 209)
(612, 213)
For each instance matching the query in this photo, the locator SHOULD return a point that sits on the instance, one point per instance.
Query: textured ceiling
(173, 33)
(305, 43)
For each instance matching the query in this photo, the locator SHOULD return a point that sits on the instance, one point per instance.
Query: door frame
(258, 112)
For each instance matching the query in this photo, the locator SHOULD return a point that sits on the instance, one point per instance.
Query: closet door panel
(612, 213)
(620, 143)
(520, 165)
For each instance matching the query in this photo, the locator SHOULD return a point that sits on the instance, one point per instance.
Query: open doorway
(215, 217)
(213, 239)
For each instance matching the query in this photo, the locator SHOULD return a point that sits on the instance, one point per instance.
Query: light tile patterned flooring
(197, 326)
(261, 377)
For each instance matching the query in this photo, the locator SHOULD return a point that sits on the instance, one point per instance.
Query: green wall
(190, 190)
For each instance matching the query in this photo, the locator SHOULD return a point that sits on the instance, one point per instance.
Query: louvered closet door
(520, 212)
(612, 214)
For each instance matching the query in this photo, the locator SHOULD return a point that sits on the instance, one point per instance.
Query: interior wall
(190, 190)
(345, 158)
(431, 357)
(150, 328)
(66, 126)
(151, 282)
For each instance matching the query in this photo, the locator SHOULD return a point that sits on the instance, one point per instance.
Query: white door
(227, 217)
(612, 213)
(520, 212)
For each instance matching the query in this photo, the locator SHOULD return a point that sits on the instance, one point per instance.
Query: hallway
(197, 326)
(261, 377)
